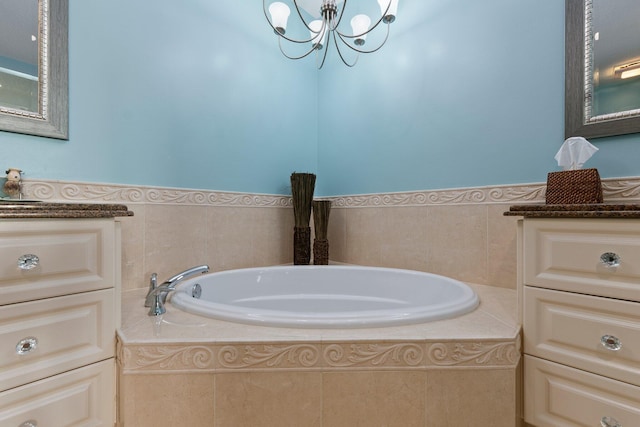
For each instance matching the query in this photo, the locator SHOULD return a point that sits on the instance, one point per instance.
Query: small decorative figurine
(13, 184)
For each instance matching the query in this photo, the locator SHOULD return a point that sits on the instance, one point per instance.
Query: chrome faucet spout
(190, 272)
(157, 295)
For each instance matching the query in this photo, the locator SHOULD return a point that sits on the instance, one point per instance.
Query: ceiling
(312, 7)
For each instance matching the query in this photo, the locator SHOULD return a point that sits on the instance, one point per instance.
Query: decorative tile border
(474, 354)
(615, 190)
(202, 357)
(57, 191)
(367, 355)
(267, 356)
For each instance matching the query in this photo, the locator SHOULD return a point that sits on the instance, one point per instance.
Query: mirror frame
(53, 118)
(576, 120)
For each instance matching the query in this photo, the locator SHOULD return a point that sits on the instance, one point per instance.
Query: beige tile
(133, 248)
(361, 246)
(272, 238)
(337, 234)
(239, 237)
(229, 237)
(174, 239)
(166, 400)
(500, 303)
(387, 237)
(353, 399)
(471, 398)
(268, 399)
(501, 256)
(457, 237)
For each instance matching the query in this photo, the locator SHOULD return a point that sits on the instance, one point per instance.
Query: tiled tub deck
(190, 370)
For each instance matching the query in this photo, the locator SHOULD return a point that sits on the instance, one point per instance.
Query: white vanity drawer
(83, 397)
(569, 328)
(566, 255)
(559, 396)
(73, 256)
(55, 335)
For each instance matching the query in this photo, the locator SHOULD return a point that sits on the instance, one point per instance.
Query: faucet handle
(153, 284)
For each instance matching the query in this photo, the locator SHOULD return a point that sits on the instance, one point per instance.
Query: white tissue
(574, 153)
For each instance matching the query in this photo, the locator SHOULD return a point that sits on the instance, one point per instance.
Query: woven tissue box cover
(581, 186)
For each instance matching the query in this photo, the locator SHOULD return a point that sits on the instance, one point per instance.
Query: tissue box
(580, 186)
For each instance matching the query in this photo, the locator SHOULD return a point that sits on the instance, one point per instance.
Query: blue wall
(178, 94)
(465, 93)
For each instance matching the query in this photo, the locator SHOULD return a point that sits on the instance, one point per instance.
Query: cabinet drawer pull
(28, 262)
(26, 345)
(611, 342)
(609, 422)
(30, 423)
(610, 259)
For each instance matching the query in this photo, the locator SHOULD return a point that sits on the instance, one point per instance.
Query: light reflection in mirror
(601, 40)
(613, 67)
(19, 34)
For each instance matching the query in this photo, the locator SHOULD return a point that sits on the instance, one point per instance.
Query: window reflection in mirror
(19, 36)
(615, 61)
(602, 92)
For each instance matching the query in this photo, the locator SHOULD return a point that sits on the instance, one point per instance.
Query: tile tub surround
(459, 233)
(461, 371)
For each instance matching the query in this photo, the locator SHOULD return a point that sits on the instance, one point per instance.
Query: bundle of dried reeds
(321, 209)
(302, 186)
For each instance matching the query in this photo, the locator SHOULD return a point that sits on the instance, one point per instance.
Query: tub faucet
(157, 295)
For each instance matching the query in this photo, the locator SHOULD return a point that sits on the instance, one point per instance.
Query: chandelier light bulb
(328, 29)
(391, 13)
(360, 25)
(279, 15)
(317, 33)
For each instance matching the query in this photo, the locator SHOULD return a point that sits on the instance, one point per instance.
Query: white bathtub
(325, 296)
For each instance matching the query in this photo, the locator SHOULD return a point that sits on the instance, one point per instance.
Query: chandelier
(327, 28)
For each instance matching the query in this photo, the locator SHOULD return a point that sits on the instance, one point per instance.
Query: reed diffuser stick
(321, 209)
(302, 186)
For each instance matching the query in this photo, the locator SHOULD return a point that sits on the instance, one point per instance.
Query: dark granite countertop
(600, 210)
(33, 209)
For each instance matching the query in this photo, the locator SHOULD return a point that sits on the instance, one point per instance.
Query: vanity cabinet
(59, 309)
(580, 307)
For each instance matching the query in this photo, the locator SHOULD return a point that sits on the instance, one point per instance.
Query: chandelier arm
(330, 23)
(344, 61)
(361, 50)
(295, 3)
(355, 36)
(339, 17)
(324, 55)
(294, 57)
(280, 35)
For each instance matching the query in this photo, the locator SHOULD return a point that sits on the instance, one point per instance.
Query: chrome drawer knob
(610, 259)
(611, 342)
(30, 423)
(609, 422)
(26, 345)
(28, 262)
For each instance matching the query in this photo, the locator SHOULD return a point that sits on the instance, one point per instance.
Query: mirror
(602, 66)
(34, 67)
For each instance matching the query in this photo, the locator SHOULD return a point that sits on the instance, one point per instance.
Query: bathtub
(325, 296)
